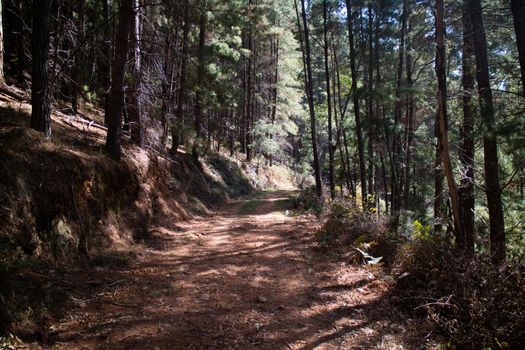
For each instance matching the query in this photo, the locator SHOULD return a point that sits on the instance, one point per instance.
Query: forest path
(245, 278)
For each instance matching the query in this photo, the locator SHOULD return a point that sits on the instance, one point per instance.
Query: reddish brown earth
(247, 277)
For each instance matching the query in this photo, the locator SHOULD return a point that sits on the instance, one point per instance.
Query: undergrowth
(27, 298)
(345, 223)
(308, 201)
(472, 303)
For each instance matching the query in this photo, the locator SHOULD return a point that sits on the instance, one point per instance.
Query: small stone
(367, 331)
(261, 299)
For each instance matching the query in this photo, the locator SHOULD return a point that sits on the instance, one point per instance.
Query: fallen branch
(161, 155)
(122, 305)
(78, 119)
(11, 93)
(445, 301)
(203, 178)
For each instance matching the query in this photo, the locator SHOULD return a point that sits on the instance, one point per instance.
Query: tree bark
(345, 158)
(136, 110)
(309, 87)
(409, 124)
(116, 94)
(107, 59)
(177, 131)
(490, 142)
(242, 121)
(249, 91)
(273, 111)
(357, 115)
(200, 81)
(396, 144)
(370, 105)
(77, 69)
(2, 78)
(438, 182)
(345, 178)
(40, 115)
(466, 155)
(518, 13)
(443, 123)
(328, 101)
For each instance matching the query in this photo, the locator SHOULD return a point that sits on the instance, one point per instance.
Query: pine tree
(40, 103)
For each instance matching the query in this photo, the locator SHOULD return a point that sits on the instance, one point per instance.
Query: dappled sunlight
(231, 281)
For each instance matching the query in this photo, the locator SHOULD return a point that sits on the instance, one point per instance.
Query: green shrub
(345, 223)
(309, 201)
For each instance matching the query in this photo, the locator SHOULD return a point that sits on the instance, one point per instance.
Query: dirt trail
(244, 278)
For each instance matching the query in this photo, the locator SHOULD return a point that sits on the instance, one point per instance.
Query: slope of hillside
(64, 199)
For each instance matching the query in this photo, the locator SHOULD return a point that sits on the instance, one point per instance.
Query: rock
(261, 299)
(367, 331)
(63, 238)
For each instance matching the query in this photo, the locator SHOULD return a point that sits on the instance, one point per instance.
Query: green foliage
(515, 229)
(309, 201)
(422, 231)
(236, 182)
(345, 223)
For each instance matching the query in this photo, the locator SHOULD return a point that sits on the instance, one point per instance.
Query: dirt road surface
(246, 278)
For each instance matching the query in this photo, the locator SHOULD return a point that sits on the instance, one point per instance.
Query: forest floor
(247, 277)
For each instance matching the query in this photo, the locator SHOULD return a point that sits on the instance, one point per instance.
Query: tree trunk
(466, 155)
(231, 132)
(310, 93)
(200, 81)
(409, 124)
(490, 144)
(396, 144)
(40, 118)
(345, 178)
(357, 115)
(116, 94)
(105, 63)
(370, 105)
(438, 182)
(107, 59)
(273, 112)
(443, 123)
(345, 158)
(2, 78)
(328, 102)
(248, 102)
(167, 85)
(177, 131)
(518, 13)
(242, 122)
(77, 69)
(380, 104)
(136, 110)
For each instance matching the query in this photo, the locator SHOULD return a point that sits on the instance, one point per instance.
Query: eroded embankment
(64, 201)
